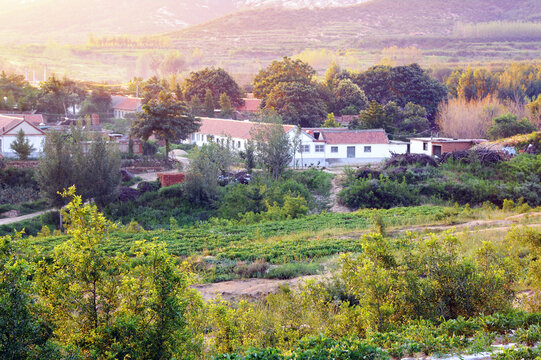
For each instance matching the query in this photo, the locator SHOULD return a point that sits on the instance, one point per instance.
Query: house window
(368, 149)
(320, 148)
(305, 148)
(238, 144)
(425, 146)
(334, 149)
(198, 137)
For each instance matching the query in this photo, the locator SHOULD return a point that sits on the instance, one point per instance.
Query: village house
(35, 119)
(315, 146)
(10, 126)
(125, 105)
(437, 146)
(235, 133)
(342, 146)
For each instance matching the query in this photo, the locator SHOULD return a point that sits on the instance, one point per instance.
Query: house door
(436, 150)
(351, 151)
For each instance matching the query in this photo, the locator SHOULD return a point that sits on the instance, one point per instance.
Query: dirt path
(335, 189)
(250, 288)
(503, 224)
(13, 220)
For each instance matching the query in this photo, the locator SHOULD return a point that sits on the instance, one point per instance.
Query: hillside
(72, 20)
(269, 32)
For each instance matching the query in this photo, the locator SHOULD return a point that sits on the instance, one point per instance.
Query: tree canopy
(297, 104)
(217, 80)
(166, 118)
(285, 71)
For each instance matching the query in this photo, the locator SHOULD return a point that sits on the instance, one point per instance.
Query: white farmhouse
(10, 126)
(341, 146)
(235, 133)
(315, 146)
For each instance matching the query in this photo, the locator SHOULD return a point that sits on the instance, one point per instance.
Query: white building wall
(34, 136)
(416, 147)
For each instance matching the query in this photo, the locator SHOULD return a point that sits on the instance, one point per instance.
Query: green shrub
(292, 270)
(522, 353)
(173, 191)
(382, 193)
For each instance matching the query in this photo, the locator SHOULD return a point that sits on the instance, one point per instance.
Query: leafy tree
(109, 307)
(534, 109)
(285, 71)
(22, 331)
(273, 145)
(209, 104)
(402, 84)
(509, 125)
(349, 96)
(70, 160)
(206, 165)
(331, 122)
(81, 285)
(22, 146)
(412, 119)
(226, 110)
(173, 62)
(476, 84)
(374, 117)
(196, 107)
(297, 103)
(88, 108)
(101, 172)
(56, 168)
(57, 96)
(152, 88)
(331, 75)
(249, 156)
(217, 80)
(167, 118)
(101, 99)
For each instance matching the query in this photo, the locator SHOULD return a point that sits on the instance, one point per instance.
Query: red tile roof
(129, 104)
(250, 105)
(375, 136)
(34, 119)
(8, 122)
(234, 128)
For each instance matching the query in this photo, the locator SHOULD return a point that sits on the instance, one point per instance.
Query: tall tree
(22, 329)
(273, 145)
(60, 96)
(75, 158)
(166, 118)
(206, 165)
(285, 71)
(374, 117)
(226, 110)
(22, 146)
(209, 104)
(331, 122)
(217, 80)
(349, 96)
(297, 103)
(56, 168)
(402, 84)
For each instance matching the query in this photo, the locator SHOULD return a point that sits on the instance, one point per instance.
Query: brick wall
(455, 146)
(170, 179)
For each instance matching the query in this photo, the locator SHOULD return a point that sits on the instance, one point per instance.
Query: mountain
(273, 32)
(73, 20)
